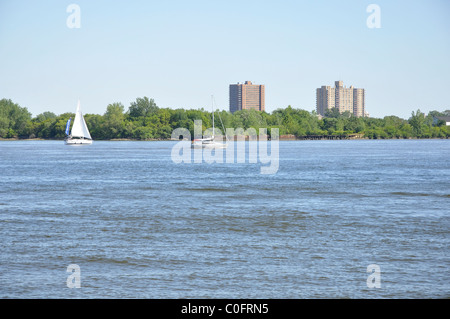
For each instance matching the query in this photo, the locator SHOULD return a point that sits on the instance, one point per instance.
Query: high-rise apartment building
(344, 99)
(247, 96)
(325, 99)
(358, 103)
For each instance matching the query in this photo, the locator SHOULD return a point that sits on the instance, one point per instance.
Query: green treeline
(144, 120)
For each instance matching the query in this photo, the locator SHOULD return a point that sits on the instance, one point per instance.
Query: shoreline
(302, 138)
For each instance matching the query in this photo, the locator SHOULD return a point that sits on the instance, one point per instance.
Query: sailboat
(209, 142)
(80, 133)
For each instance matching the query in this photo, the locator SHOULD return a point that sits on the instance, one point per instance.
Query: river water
(139, 225)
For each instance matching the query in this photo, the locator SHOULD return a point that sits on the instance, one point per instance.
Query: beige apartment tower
(344, 99)
(247, 96)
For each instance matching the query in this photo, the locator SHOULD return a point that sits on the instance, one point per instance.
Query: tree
(58, 128)
(333, 113)
(347, 114)
(143, 107)
(13, 119)
(179, 118)
(329, 124)
(114, 110)
(95, 123)
(113, 120)
(354, 124)
(417, 121)
(143, 133)
(45, 116)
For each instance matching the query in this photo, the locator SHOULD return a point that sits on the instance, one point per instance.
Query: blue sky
(182, 52)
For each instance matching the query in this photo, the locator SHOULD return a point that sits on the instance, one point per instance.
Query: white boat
(209, 142)
(80, 133)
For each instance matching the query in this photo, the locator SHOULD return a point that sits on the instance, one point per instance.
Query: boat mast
(212, 106)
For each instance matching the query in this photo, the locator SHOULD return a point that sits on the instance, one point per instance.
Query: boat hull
(78, 141)
(209, 145)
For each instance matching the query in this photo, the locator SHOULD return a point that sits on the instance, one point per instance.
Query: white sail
(79, 128)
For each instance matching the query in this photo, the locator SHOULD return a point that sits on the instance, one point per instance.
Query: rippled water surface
(140, 226)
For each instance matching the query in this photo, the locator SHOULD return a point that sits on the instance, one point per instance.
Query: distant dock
(329, 137)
